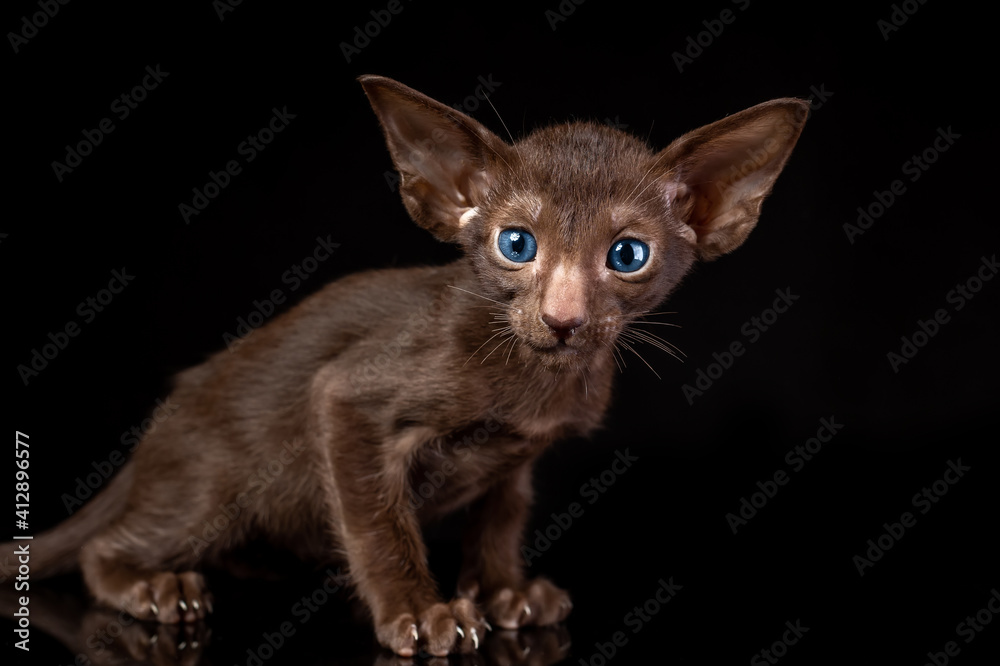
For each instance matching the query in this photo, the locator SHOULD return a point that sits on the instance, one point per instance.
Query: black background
(883, 101)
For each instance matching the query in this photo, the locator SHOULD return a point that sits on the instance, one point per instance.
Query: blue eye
(628, 255)
(517, 245)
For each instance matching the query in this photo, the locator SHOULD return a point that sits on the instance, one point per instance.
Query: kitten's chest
(456, 468)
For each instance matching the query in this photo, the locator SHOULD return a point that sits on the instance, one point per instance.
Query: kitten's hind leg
(118, 578)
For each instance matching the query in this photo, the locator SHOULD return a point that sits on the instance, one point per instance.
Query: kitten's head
(579, 228)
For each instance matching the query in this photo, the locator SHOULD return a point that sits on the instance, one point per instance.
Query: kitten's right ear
(445, 159)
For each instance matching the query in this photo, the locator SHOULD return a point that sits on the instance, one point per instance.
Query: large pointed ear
(716, 177)
(446, 160)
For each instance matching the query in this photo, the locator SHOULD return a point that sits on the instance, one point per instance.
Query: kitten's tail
(57, 550)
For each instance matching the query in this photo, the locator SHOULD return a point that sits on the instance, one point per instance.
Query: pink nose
(563, 328)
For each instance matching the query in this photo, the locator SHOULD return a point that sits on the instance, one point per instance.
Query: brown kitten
(382, 380)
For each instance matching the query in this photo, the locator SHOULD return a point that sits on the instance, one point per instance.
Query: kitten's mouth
(560, 347)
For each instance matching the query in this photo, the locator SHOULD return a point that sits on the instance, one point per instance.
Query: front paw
(539, 603)
(438, 629)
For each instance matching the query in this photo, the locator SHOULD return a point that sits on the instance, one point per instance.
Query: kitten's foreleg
(493, 568)
(380, 534)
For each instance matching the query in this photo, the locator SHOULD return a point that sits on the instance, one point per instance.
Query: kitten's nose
(563, 328)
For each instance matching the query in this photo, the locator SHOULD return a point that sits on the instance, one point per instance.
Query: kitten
(462, 374)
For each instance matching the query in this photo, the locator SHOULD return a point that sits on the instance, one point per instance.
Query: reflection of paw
(7, 570)
(147, 643)
(539, 603)
(171, 598)
(537, 646)
(437, 629)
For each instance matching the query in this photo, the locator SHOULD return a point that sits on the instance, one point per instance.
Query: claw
(194, 645)
(208, 606)
(156, 609)
(527, 610)
(153, 639)
(475, 638)
(183, 605)
(460, 632)
(181, 645)
(195, 605)
(489, 627)
(413, 630)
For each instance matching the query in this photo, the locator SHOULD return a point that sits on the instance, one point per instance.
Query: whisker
(612, 348)
(511, 350)
(480, 296)
(632, 349)
(500, 344)
(655, 340)
(496, 152)
(666, 350)
(500, 332)
(490, 102)
(656, 323)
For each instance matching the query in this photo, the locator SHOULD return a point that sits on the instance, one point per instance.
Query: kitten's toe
(192, 602)
(540, 603)
(550, 604)
(508, 608)
(170, 598)
(399, 634)
(451, 627)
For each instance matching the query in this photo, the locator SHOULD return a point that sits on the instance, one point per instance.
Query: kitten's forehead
(577, 179)
(583, 168)
(582, 154)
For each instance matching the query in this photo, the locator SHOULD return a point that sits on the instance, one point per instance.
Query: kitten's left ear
(717, 177)
(446, 160)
